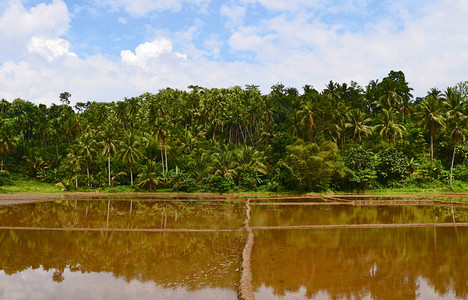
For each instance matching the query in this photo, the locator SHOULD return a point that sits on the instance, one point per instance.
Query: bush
(359, 169)
(391, 165)
(313, 166)
(188, 185)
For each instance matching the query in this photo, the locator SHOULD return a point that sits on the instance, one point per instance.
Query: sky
(105, 50)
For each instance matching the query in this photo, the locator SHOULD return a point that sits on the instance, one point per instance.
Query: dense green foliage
(344, 137)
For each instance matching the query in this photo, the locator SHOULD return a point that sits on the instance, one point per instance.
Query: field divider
(245, 290)
(344, 226)
(118, 229)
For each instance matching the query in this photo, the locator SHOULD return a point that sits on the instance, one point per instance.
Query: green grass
(29, 186)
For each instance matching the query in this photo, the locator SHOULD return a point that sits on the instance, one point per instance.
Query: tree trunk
(165, 158)
(56, 148)
(453, 160)
(162, 157)
(108, 166)
(76, 179)
(87, 171)
(131, 175)
(432, 149)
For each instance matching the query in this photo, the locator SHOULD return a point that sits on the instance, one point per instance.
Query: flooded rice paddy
(203, 247)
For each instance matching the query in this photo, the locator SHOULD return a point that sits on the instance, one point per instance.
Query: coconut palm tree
(390, 97)
(6, 143)
(357, 124)
(148, 177)
(109, 145)
(223, 164)
(74, 157)
(131, 153)
(456, 121)
(431, 116)
(388, 127)
(87, 146)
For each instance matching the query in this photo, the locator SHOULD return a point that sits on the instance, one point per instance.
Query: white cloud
(18, 25)
(235, 14)
(146, 51)
(44, 19)
(50, 48)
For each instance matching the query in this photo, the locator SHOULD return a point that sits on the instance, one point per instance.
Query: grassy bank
(23, 185)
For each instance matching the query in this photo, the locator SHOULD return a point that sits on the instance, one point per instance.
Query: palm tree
(388, 127)
(56, 127)
(87, 144)
(6, 143)
(74, 157)
(248, 156)
(456, 121)
(357, 124)
(200, 163)
(148, 177)
(108, 143)
(223, 164)
(390, 97)
(120, 110)
(431, 116)
(130, 151)
(160, 134)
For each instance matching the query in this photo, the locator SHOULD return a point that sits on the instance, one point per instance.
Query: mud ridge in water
(360, 226)
(245, 291)
(117, 229)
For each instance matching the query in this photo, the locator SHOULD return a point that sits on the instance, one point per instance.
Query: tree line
(344, 137)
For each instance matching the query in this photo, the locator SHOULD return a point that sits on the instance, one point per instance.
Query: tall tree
(109, 144)
(357, 123)
(74, 158)
(456, 121)
(388, 127)
(431, 116)
(131, 153)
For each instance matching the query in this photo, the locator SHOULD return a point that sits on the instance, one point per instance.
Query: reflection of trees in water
(353, 263)
(190, 260)
(124, 214)
(347, 214)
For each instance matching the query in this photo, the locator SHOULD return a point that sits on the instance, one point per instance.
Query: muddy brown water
(130, 248)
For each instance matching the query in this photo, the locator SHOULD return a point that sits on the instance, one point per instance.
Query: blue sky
(106, 50)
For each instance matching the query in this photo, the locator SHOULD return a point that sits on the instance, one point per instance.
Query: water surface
(390, 263)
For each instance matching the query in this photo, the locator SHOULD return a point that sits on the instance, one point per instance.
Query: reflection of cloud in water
(425, 292)
(38, 284)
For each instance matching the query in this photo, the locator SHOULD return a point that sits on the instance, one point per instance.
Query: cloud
(235, 14)
(293, 47)
(18, 25)
(147, 52)
(50, 48)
